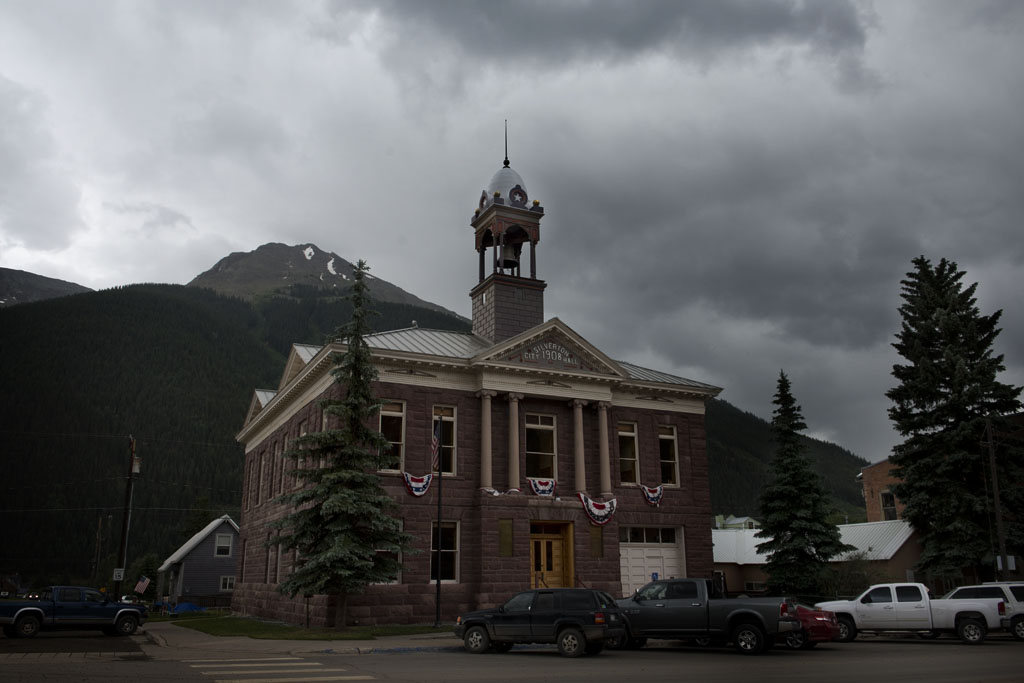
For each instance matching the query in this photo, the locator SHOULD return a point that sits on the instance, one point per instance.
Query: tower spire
(506, 143)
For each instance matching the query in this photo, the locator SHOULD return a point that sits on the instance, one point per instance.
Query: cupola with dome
(505, 302)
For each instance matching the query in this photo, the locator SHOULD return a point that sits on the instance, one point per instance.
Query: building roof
(198, 538)
(877, 540)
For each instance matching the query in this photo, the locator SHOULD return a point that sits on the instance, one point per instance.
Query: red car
(818, 626)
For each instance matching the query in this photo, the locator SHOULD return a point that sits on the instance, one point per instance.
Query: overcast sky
(732, 188)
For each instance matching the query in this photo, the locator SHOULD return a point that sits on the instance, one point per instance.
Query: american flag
(142, 585)
(435, 445)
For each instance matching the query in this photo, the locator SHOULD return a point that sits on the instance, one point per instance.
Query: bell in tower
(507, 302)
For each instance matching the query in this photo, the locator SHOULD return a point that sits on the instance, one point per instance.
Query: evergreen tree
(341, 517)
(794, 507)
(946, 392)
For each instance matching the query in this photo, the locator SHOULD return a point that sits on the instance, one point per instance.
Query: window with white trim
(222, 545)
(259, 478)
(300, 462)
(397, 556)
(888, 505)
(446, 451)
(628, 469)
(227, 583)
(392, 426)
(541, 457)
(669, 455)
(444, 552)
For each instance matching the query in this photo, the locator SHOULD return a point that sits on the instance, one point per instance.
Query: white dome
(503, 181)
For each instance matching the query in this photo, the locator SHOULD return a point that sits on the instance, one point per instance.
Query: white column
(513, 440)
(579, 452)
(602, 440)
(485, 438)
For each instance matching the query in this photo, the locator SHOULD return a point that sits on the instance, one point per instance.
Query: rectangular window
(227, 583)
(268, 565)
(669, 455)
(541, 458)
(888, 505)
(649, 534)
(909, 594)
(506, 546)
(628, 468)
(446, 451)
(392, 426)
(300, 462)
(280, 468)
(755, 586)
(241, 570)
(259, 478)
(222, 545)
(444, 552)
(248, 484)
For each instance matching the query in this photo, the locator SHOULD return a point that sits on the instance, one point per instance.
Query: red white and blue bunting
(653, 495)
(599, 513)
(496, 492)
(417, 486)
(543, 487)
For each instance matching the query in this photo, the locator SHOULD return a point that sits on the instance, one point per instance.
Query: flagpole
(440, 479)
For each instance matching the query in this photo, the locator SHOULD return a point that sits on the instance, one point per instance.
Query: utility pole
(1000, 535)
(133, 468)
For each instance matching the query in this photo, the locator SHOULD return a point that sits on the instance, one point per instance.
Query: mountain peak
(273, 268)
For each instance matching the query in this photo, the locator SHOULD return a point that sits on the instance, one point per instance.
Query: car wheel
(847, 629)
(501, 647)
(636, 643)
(796, 640)
(748, 639)
(1018, 629)
(594, 648)
(617, 642)
(971, 631)
(477, 641)
(571, 642)
(28, 626)
(126, 625)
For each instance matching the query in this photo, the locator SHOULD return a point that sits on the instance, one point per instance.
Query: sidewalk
(166, 640)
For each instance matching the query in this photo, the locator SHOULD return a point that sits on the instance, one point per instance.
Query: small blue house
(202, 571)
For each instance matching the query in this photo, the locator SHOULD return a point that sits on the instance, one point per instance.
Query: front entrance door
(550, 555)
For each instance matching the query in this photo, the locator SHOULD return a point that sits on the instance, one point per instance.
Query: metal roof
(429, 342)
(191, 543)
(645, 375)
(877, 540)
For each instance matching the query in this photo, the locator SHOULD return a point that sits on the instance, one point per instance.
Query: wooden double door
(551, 556)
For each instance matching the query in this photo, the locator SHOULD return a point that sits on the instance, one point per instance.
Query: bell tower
(506, 302)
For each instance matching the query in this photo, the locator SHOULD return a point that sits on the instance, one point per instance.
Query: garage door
(645, 551)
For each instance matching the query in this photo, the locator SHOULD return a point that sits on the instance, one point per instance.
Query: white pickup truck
(908, 607)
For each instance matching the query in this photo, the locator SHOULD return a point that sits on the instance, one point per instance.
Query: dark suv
(578, 620)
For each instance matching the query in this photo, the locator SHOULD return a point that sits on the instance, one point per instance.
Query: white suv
(1011, 592)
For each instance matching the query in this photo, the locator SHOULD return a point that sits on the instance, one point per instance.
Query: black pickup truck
(694, 609)
(69, 607)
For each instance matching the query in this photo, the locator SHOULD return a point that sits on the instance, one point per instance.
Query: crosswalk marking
(247, 659)
(300, 671)
(304, 679)
(262, 662)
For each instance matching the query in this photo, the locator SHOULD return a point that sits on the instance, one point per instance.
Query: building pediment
(551, 347)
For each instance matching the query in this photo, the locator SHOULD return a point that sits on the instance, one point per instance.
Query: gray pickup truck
(694, 609)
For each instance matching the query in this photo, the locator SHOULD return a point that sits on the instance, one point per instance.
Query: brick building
(879, 486)
(561, 466)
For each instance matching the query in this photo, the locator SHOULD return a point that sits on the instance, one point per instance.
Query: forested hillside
(740, 452)
(173, 366)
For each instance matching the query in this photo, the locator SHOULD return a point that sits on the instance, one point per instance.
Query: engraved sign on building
(549, 354)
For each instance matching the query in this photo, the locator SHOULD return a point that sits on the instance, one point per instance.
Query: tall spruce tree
(947, 391)
(342, 519)
(794, 507)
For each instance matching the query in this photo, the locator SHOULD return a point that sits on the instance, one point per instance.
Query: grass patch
(222, 625)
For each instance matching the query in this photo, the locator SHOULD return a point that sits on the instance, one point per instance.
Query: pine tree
(341, 522)
(946, 392)
(794, 507)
